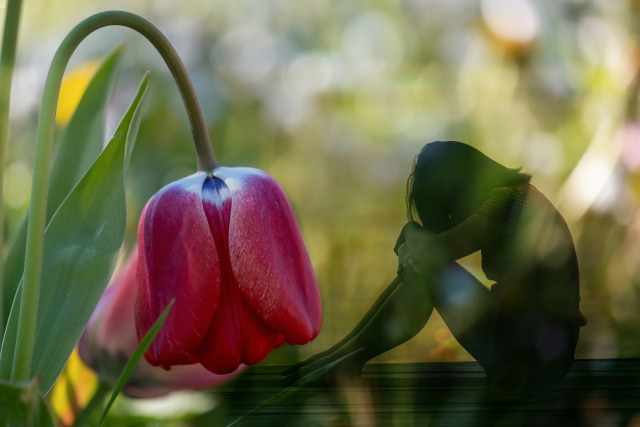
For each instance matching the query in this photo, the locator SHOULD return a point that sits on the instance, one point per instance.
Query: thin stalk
(44, 141)
(7, 64)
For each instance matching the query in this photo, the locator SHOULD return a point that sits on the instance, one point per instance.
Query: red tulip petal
(177, 259)
(268, 256)
(236, 335)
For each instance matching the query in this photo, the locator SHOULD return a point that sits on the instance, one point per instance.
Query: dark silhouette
(524, 330)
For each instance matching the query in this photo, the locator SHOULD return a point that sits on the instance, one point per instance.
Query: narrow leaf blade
(135, 358)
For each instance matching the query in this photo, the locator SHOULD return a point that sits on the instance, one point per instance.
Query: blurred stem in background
(7, 63)
(87, 415)
(631, 110)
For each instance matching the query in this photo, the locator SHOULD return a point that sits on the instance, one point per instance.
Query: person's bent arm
(428, 248)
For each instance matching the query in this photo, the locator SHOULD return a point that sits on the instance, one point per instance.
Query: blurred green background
(335, 98)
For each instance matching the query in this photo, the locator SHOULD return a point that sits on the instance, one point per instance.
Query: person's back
(535, 267)
(534, 264)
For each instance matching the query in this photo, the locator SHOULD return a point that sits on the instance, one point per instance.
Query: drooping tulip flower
(110, 339)
(227, 247)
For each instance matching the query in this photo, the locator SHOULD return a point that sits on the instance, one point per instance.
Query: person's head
(448, 182)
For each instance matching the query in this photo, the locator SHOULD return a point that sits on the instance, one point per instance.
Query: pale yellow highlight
(73, 86)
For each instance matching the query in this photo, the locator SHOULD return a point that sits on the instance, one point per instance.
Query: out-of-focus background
(335, 98)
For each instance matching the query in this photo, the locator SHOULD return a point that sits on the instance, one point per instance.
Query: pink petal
(115, 330)
(178, 259)
(268, 256)
(110, 332)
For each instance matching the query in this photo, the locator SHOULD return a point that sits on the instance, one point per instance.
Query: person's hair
(450, 176)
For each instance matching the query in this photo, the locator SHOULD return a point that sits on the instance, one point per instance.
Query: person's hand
(411, 229)
(416, 250)
(418, 239)
(407, 265)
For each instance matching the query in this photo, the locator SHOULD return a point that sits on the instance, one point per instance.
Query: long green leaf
(135, 358)
(77, 148)
(23, 405)
(82, 243)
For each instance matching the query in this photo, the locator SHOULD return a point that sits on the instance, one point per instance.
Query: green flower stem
(7, 63)
(44, 141)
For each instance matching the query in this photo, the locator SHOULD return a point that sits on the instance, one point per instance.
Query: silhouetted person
(524, 330)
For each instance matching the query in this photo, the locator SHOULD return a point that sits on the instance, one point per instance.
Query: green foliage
(23, 405)
(76, 150)
(82, 243)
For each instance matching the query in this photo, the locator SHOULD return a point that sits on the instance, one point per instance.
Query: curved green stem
(7, 63)
(44, 141)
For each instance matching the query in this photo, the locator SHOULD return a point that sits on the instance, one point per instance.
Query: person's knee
(450, 286)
